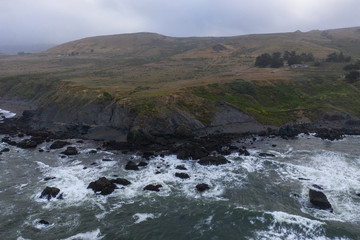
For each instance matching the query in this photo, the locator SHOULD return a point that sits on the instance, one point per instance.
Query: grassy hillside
(192, 74)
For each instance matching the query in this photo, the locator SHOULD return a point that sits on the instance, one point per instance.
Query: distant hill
(155, 45)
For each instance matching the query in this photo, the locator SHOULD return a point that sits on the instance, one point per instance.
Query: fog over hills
(22, 48)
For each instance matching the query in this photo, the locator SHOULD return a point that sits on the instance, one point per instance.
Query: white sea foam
(283, 225)
(7, 114)
(338, 173)
(142, 217)
(93, 235)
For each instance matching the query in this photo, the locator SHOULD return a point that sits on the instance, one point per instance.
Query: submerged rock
(49, 178)
(182, 175)
(49, 192)
(151, 187)
(102, 185)
(213, 160)
(202, 187)
(70, 151)
(319, 200)
(58, 144)
(131, 166)
(266, 155)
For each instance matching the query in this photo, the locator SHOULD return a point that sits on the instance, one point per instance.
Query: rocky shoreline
(185, 144)
(206, 150)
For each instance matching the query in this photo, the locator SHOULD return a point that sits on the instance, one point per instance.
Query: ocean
(252, 197)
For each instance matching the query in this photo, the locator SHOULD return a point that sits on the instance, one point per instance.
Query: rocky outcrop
(131, 166)
(191, 150)
(121, 181)
(27, 143)
(70, 151)
(213, 160)
(151, 187)
(102, 185)
(181, 167)
(44, 222)
(50, 192)
(202, 187)
(5, 150)
(319, 200)
(329, 134)
(182, 175)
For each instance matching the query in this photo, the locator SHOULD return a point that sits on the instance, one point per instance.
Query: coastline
(186, 143)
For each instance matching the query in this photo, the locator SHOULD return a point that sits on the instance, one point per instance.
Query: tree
(263, 60)
(352, 76)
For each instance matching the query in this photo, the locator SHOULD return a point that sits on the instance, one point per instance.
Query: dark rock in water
(202, 187)
(318, 187)
(44, 222)
(273, 145)
(266, 155)
(295, 195)
(106, 160)
(9, 141)
(60, 197)
(50, 192)
(79, 141)
(41, 150)
(304, 179)
(151, 187)
(58, 144)
(142, 164)
(27, 143)
(319, 200)
(358, 194)
(244, 152)
(5, 150)
(330, 134)
(21, 135)
(181, 167)
(121, 181)
(49, 178)
(92, 152)
(212, 160)
(131, 166)
(191, 150)
(182, 175)
(102, 185)
(148, 154)
(70, 151)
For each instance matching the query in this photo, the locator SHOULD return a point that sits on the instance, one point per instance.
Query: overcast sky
(58, 21)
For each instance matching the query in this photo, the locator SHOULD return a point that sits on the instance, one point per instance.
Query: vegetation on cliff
(152, 75)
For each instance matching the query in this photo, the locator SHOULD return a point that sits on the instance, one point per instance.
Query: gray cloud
(56, 21)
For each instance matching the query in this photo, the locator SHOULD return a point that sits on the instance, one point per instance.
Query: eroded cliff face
(120, 123)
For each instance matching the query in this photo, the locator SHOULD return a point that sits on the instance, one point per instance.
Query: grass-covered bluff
(152, 76)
